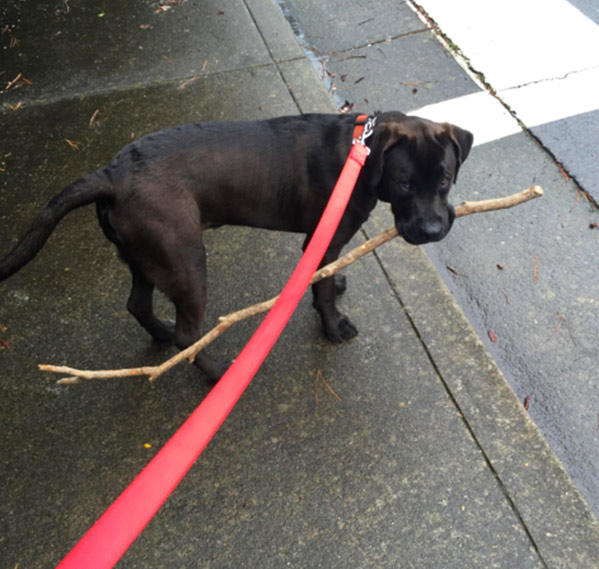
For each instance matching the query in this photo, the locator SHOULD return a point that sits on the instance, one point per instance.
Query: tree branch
(225, 322)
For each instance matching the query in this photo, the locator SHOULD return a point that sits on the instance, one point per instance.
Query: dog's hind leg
(164, 250)
(140, 306)
(188, 294)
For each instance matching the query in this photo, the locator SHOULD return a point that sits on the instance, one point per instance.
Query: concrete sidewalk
(428, 459)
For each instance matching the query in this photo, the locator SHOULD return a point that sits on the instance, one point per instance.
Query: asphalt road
(528, 281)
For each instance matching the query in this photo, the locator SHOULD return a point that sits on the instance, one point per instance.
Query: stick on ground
(153, 372)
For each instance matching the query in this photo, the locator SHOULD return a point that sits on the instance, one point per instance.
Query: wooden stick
(225, 322)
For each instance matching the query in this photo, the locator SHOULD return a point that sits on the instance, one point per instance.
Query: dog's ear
(384, 137)
(462, 140)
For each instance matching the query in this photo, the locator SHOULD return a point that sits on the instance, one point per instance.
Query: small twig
(324, 382)
(561, 321)
(454, 272)
(188, 81)
(535, 270)
(92, 120)
(153, 372)
(12, 83)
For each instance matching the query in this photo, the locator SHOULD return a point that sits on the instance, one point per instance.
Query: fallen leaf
(527, 402)
(145, 26)
(16, 107)
(492, 336)
(500, 266)
(166, 58)
(535, 270)
(593, 225)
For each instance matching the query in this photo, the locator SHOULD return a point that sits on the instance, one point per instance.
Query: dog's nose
(432, 229)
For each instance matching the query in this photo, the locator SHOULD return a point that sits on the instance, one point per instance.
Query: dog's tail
(83, 192)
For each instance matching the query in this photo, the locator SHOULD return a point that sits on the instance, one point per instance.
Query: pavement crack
(502, 487)
(549, 79)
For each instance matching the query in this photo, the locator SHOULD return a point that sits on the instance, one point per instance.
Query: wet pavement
(427, 459)
(542, 306)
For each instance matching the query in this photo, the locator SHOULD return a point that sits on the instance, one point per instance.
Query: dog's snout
(432, 229)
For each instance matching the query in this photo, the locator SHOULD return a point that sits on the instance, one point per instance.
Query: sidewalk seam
(41, 101)
(503, 489)
(272, 58)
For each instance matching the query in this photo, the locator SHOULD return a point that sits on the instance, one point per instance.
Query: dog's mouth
(416, 237)
(425, 231)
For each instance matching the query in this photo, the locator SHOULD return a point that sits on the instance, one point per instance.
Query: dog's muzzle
(428, 230)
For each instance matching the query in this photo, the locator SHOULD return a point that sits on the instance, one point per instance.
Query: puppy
(158, 195)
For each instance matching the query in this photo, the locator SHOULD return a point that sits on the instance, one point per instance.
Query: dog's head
(412, 166)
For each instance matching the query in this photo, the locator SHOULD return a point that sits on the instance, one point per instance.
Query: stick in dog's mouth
(153, 372)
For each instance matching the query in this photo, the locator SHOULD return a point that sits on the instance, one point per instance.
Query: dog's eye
(445, 182)
(404, 186)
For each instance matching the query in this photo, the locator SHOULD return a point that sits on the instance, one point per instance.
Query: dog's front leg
(336, 326)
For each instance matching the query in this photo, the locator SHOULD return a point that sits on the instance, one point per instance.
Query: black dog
(159, 193)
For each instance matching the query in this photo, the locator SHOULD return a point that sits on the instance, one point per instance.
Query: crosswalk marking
(540, 56)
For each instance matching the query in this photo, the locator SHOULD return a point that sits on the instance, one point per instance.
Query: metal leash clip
(368, 130)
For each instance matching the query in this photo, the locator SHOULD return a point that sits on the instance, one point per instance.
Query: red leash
(108, 539)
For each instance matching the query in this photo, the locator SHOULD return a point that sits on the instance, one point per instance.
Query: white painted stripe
(534, 105)
(480, 113)
(514, 42)
(542, 56)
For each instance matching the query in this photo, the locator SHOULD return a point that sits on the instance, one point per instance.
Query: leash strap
(112, 534)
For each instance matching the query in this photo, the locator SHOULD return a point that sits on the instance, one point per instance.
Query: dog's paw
(340, 284)
(347, 328)
(343, 329)
(214, 369)
(164, 333)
